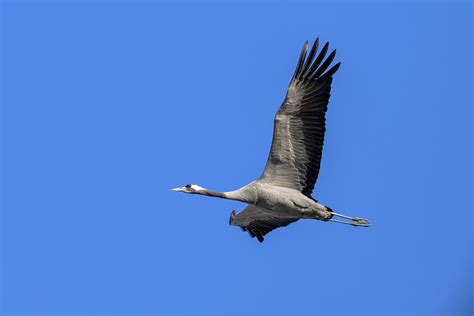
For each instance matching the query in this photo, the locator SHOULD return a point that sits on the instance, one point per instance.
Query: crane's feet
(354, 221)
(361, 222)
(365, 223)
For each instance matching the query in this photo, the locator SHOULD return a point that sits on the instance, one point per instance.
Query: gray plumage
(282, 195)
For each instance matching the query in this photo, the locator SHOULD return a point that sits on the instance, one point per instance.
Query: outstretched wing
(299, 128)
(258, 222)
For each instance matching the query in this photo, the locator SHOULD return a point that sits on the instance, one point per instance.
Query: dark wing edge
(309, 68)
(302, 118)
(257, 222)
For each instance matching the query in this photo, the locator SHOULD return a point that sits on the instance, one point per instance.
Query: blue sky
(106, 106)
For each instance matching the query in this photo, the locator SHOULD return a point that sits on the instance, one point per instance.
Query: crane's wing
(299, 127)
(258, 222)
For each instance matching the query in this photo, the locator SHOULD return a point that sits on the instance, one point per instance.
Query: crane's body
(277, 200)
(285, 201)
(282, 195)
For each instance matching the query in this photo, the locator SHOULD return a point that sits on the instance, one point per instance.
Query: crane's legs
(355, 221)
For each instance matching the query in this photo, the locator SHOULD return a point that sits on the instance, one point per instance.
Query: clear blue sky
(106, 106)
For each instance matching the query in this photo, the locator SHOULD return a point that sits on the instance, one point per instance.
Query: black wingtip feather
(324, 65)
(310, 58)
(318, 60)
(301, 59)
(331, 71)
(231, 218)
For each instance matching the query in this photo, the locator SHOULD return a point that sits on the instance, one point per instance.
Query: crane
(282, 195)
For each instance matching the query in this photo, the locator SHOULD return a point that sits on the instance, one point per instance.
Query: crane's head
(190, 188)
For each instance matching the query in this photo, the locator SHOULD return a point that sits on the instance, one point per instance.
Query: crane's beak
(177, 189)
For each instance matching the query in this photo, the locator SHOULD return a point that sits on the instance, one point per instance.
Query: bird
(283, 193)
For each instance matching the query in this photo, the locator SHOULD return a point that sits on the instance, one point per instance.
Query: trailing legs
(355, 221)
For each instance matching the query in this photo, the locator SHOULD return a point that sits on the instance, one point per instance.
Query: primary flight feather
(282, 195)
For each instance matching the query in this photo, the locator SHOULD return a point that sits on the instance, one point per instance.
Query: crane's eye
(188, 186)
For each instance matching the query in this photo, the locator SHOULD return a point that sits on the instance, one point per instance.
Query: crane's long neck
(221, 195)
(241, 195)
